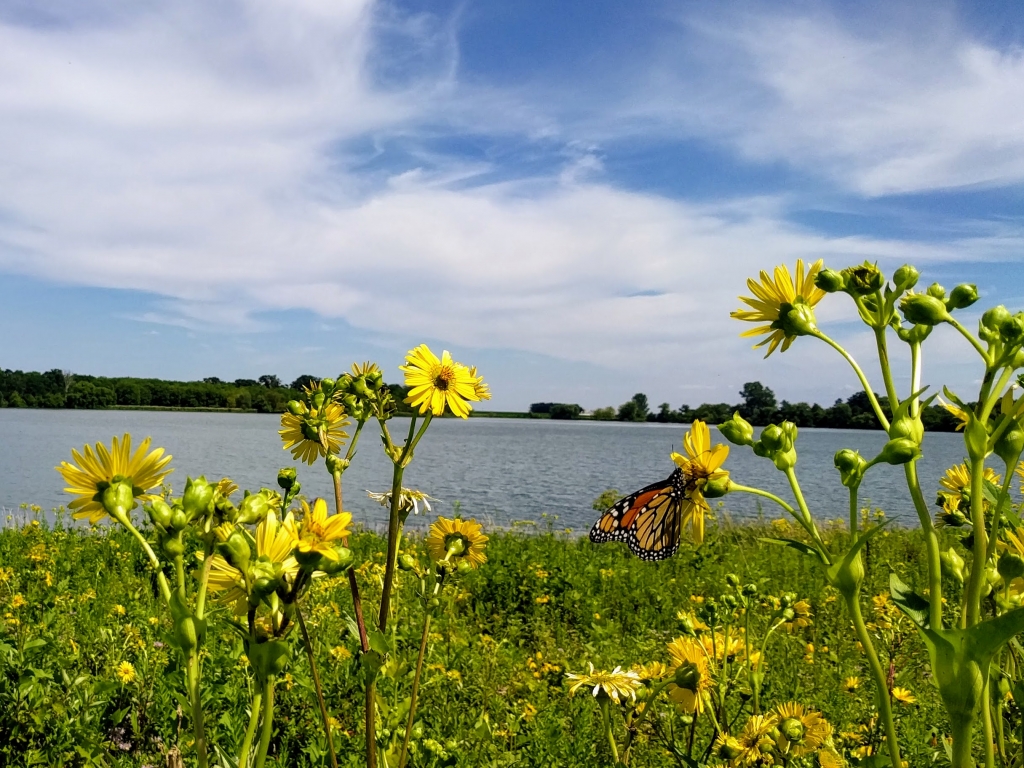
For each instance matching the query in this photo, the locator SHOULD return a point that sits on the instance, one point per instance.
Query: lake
(499, 470)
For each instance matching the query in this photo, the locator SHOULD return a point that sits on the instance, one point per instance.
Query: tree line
(759, 406)
(64, 389)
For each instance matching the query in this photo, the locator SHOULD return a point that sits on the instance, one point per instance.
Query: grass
(75, 603)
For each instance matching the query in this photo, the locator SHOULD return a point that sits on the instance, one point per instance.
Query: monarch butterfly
(649, 520)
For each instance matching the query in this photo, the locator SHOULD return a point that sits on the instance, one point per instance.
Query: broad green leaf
(907, 600)
(799, 546)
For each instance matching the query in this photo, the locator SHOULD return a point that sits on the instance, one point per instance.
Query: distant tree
(67, 378)
(270, 381)
(16, 401)
(634, 409)
(603, 414)
(305, 380)
(664, 413)
(758, 404)
(642, 407)
(565, 411)
(541, 407)
(713, 413)
(246, 383)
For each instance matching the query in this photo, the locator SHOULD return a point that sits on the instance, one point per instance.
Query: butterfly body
(649, 520)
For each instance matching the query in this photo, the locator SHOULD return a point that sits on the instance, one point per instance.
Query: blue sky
(568, 195)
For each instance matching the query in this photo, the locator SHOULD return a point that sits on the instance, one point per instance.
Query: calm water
(501, 470)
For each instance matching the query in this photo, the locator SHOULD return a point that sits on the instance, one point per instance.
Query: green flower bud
(335, 464)
(255, 507)
(737, 430)
(788, 599)
(309, 561)
(234, 548)
(375, 379)
(851, 466)
(900, 451)
(863, 280)
(186, 633)
(936, 291)
(286, 477)
(687, 623)
(923, 309)
(732, 580)
(1010, 444)
(829, 281)
(269, 659)
(906, 277)
(295, 408)
(463, 566)
(792, 729)
(909, 427)
(407, 562)
(765, 745)
(962, 296)
(1011, 566)
(327, 385)
(332, 567)
(198, 497)
(772, 437)
(749, 590)
(995, 317)
(160, 513)
(717, 487)
(952, 565)
(360, 388)
(1012, 330)
(173, 546)
(118, 498)
(687, 676)
(179, 520)
(729, 601)
(796, 319)
(729, 749)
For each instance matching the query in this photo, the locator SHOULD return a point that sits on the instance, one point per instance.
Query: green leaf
(953, 398)
(907, 600)
(799, 546)
(378, 641)
(35, 643)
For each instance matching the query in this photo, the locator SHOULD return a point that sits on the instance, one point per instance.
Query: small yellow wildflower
(773, 299)
(459, 539)
(341, 653)
(436, 385)
(317, 531)
(18, 601)
(701, 465)
(903, 696)
(691, 674)
(802, 731)
(314, 432)
(542, 600)
(118, 610)
(958, 413)
(125, 672)
(851, 684)
(615, 684)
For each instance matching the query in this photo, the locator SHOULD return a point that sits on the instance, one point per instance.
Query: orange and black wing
(647, 520)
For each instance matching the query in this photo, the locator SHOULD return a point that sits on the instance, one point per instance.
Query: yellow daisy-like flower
(650, 672)
(436, 385)
(125, 672)
(957, 412)
(701, 465)
(754, 740)
(801, 731)
(692, 674)
(829, 758)
(461, 539)
(721, 645)
(274, 545)
(483, 392)
(957, 485)
(615, 685)
(903, 696)
(92, 473)
(315, 432)
(851, 684)
(774, 298)
(318, 532)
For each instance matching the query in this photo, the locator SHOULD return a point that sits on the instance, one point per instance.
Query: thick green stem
(804, 509)
(415, 689)
(977, 580)
(970, 337)
(986, 722)
(165, 588)
(852, 600)
(876, 407)
(883, 359)
(250, 731)
(394, 534)
(196, 701)
(609, 734)
(268, 723)
(931, 540)
(961, 731)
(316, 684)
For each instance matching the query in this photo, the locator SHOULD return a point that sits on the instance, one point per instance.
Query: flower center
(444, 377)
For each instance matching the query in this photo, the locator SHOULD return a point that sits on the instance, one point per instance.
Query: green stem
(852, 600)
(879, 413)
(970, 337)
(736, 488)
(977, 579)
(915, 377)
(394, 533)
(250, 731)
(605, 716)
(805, 511)
(750, 667)
(268, 723)
(204, 580)
(961, 729)
(854, 515)
(415, 689)
(195, 699)
(986, 723)
(997, 513)
(931, 540)
(883, 359)
(316, 684)
(165, 588)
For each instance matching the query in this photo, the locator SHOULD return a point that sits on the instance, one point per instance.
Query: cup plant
(258, 556)
(966, 640)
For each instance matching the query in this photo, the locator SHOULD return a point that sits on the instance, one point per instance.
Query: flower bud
(729, 749)
(771, 437)
(923, 309)
(327, 385)
(1012, 330)
(732, 580)
(995, 317)
(797, 319)
(117, 498)
(899, 451)
(687, 676)
(829, 281)
(464, 566)
(160, 513)
(952, 565)
(359, 386)
(375, 379)
(295, 408)
(255, 507)
(792, 729)
(1010, 444)
(197, 498)
(962, 296)
(179, 520)
(716, 487)
(1011, 566)
(729, 601)
(689, 627)
(309, 561)
(186, 633)
(863, 279)
(906, 277)
(407, 562)
(936, 291)
(173, 546)
(907, 426)
(737, 430)
(749, 590)
(332, 567)
(286, 477)
(335, 464)
(234, 547)
(851, 466)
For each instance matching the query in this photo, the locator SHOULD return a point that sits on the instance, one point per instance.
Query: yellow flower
(316, 532)
(903, 696)
(614, 684)
(957, 482)
(722, 645)
(829, 758)
(435, 385)
(274, 545)
(851, 684)
(692, 674)
(315, 432)
(752, 738)
(483, 392)
(958, 413)
(92, 473)
(340, 653)
(650, 672)
(118, 610)
(699, 466)
(802, 618)
(774, 298)
(125, 672)
(801, 731)
(18, 601)
(542, 600)
(446, 536)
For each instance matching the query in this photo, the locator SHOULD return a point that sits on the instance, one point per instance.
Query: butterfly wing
(650, 506)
